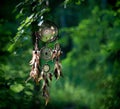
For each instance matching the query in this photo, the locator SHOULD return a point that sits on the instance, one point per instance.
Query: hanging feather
(35, 57)
(55, 73)
(45, 79)
(57, 70)
(50, 76)
(59, 52)
(41, 75)
(45, 93)
(46, 98)
(54, 54)
(35, 66)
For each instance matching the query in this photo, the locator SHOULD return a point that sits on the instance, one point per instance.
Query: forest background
(89, 33)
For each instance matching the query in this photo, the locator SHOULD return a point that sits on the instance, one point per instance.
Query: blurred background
(89, 34)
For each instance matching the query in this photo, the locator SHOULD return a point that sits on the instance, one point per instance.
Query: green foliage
(89, 64)
(91, 56)
(35, 9)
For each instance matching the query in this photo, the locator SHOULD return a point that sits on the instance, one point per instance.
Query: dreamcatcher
(42, 71)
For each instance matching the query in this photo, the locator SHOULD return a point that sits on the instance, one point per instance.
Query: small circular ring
(46, 68)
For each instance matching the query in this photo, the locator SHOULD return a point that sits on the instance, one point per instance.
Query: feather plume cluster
(56, 56)
(42, 72)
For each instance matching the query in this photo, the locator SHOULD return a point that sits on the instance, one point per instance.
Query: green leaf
(11, 47)
(17, 88)
(28, 93)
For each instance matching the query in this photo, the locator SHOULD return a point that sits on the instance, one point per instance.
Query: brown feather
(56, 73)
